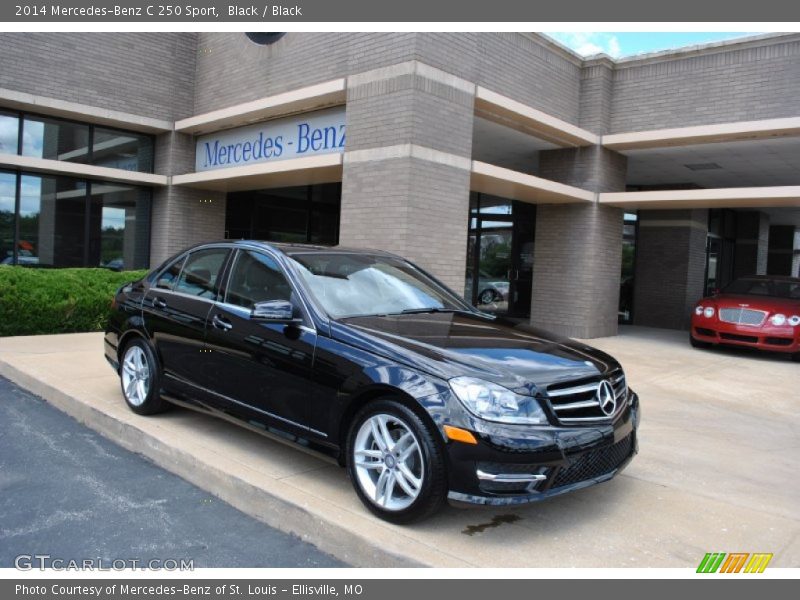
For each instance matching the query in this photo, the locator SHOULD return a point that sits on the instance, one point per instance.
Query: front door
(262, 371)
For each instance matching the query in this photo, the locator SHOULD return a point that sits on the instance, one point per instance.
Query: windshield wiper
(430, 309)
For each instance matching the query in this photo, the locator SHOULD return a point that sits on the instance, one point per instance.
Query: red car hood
(771, 304)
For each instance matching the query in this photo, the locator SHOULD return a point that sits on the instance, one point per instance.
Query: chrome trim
(576, 405)
(739, 313)
(589, 387)
(510, 477)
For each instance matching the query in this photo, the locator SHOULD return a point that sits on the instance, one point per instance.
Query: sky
(622, 44)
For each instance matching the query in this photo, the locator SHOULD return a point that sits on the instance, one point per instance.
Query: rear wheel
(487, 296)
(140, 379)
(395, 462)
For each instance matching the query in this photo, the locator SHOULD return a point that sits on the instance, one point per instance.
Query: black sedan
(363, 356)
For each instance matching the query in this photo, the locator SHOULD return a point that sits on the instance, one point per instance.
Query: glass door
(499, 270)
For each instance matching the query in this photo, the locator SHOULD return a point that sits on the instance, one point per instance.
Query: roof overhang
(324, 168)
(495, 107)
(71, 169)
(314, 97)
(750, 197)
(490, 179)
(54, 107)
(703, 134)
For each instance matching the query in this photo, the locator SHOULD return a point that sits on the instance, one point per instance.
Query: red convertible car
(761, 312)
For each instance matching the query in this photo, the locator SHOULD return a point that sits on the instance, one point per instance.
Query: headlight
(495, 403)
(698, 310)
(778, 319)
(708, 312)
(794, 320)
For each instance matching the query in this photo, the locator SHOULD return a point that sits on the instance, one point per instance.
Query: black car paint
(329, 368)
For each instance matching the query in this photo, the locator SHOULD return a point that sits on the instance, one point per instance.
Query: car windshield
(351, 285)
(777, 288)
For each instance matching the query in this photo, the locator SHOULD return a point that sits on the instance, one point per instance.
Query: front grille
(575, 402)
(739, 338)
(779, 341)
(742, 316)
(594, 463)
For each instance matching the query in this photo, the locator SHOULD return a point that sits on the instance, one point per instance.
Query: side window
(201, 274)
(168, 277)
(256, 278)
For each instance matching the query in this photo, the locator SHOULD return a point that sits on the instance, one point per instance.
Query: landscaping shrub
(37, 301)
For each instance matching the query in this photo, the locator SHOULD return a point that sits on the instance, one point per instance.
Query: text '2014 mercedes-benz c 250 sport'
(366, 358)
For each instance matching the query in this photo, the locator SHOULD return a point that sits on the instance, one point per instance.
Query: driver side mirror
(274, 311)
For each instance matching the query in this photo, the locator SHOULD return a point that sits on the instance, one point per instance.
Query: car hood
(769, 303)
(505, 351)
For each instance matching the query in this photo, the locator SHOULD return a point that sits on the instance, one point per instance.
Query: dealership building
(574, 192)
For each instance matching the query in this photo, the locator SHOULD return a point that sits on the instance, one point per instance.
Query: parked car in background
(364, 357)
(761, 312)
(490, 289)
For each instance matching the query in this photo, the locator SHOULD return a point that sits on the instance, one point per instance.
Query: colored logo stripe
(734, 563)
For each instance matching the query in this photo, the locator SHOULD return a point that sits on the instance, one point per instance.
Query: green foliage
(36, 301)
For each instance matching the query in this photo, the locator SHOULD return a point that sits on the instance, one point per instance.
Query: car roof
(290, 249)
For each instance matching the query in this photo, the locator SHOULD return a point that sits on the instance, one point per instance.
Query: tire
(697, 343)
(140, 378)
(796, 357)
(487, 296)
(418, 481)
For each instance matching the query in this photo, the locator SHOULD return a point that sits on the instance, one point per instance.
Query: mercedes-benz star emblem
(605, 398)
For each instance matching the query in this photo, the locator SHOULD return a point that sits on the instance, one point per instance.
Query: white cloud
(588, 43)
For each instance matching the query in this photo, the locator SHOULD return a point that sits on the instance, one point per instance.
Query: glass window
(52, 221)
(169, 276)
(8, 192)
(349, 285)
(200, 277)
(118, 226)
(122, 150)
(256, 278)
(55, 139)
(9, 133)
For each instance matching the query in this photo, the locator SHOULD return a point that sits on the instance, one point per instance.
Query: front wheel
(141, 379)
(396, 462)
(487, 296)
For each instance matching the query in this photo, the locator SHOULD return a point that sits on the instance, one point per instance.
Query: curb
(322, 530)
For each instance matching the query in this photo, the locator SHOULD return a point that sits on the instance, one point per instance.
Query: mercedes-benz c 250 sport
(365, 357)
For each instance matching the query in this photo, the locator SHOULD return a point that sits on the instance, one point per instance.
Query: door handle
(159, 302)
(222, 323)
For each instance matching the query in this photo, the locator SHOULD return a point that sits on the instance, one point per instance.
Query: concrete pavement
(719, 444)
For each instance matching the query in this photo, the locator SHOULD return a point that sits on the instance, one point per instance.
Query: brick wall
(750, 81)
(148, 74)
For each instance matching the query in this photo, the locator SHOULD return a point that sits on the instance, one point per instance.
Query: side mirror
(274, 311)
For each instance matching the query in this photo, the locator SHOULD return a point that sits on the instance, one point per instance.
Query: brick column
(578, 248)
(781, 259)
(181, 216)
(752, 241)
(670, 266)
(405, 185)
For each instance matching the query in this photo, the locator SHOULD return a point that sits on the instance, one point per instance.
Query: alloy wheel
(388, 462)
(136, 376)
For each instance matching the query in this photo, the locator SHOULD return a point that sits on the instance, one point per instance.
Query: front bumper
(547, 461)
(766, 337)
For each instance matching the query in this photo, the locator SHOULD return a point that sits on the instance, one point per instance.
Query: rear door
(175, 310)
